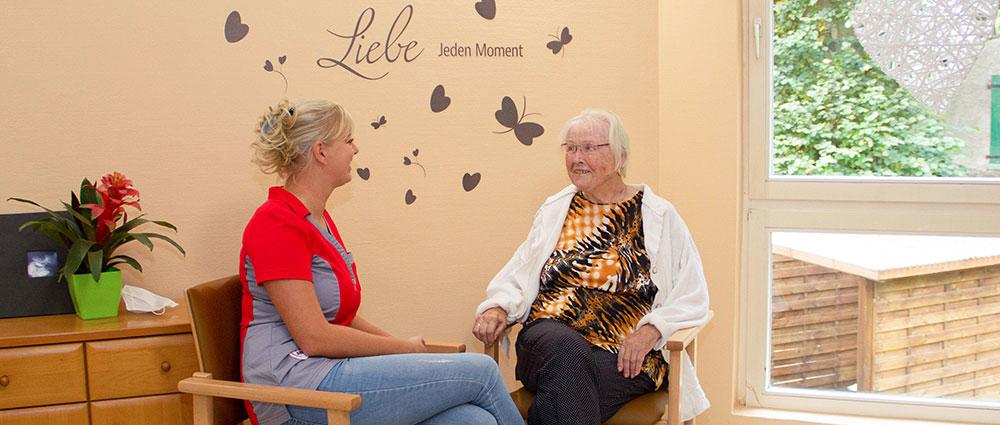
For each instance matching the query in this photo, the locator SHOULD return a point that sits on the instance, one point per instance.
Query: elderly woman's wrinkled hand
(634, 349)
(490, 324)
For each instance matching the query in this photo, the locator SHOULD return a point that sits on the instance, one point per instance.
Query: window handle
(756, 37)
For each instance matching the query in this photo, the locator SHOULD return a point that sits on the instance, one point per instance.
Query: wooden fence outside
(932, 335)
(814, 325)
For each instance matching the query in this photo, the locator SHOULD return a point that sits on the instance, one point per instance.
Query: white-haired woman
(608, 272)
(301, 295)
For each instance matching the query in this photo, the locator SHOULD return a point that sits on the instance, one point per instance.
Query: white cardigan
(675, 267)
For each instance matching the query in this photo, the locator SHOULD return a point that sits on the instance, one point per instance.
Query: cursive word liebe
(375, 51)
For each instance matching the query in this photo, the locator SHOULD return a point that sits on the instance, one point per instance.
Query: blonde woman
(301, 295)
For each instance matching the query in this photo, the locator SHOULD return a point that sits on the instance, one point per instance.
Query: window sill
(822, 418)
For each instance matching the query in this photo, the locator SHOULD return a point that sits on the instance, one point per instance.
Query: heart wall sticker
(269, 67)
(439, 101)
(487, 9)
(235, 30)
(407, 161)
(470, 181)
(409, 198)
(364, 173)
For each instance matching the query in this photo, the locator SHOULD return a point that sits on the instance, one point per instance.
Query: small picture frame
(42, 263)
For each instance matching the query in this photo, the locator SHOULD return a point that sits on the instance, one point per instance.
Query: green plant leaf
(27, 201)
(86, 223)
(164, 238)
(124, 229)
(124, 259)
(94, 262)
(164, 224)
(56, 218)
(142, 238)
(88, 195)
(51, 229)
(74, 258)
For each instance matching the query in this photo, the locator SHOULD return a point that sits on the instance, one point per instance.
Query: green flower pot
(96, 300)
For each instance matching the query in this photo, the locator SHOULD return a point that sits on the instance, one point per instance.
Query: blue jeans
(429, 389)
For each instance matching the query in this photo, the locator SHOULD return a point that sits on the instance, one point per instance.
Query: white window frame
(947, 206)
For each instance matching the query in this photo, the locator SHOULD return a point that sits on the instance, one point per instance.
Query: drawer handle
(165, 366)
(4, 381)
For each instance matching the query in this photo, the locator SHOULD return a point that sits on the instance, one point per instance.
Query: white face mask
(142, 301)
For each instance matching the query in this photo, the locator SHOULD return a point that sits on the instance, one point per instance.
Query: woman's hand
(490, 324)
(634, 349)
(419, 346)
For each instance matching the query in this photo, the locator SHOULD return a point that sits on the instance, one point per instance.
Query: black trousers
(573, 382)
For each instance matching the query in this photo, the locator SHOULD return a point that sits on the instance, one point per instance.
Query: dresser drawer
(170, 409)
(46, 374)
(139, 366)
(66, 414)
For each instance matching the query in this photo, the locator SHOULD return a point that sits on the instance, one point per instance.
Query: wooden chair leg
(692, 350)
(203, 411)
(674, 388)
(338, 417)
(203, 406)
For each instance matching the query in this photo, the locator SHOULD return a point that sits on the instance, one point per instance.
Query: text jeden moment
(481, 50)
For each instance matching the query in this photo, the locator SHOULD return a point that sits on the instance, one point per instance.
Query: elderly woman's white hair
(603, 122)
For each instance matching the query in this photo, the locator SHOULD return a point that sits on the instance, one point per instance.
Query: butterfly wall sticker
(561, 41)
(507, 116)
(379, 122)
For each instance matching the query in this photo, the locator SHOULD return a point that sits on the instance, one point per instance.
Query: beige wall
(154, 90)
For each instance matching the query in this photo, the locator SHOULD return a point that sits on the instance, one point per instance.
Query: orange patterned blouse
(597, 279)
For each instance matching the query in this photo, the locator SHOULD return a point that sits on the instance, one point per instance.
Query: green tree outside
(837, 114)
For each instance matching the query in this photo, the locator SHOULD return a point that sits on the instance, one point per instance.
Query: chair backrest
(215, 321)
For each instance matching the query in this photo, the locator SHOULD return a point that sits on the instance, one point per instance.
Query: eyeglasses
(584, 149)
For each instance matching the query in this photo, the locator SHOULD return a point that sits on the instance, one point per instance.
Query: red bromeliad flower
(116, 192)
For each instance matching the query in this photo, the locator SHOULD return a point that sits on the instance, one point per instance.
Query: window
(872, 231)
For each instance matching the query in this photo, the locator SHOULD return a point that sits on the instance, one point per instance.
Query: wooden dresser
(124, 370)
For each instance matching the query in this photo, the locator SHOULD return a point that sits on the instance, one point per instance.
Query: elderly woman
(301, 296)
(608, 272)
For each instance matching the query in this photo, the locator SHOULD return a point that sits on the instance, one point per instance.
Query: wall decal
(470, 181)
(379, 122)
(439, 101)
(507, 116)
(235, 30)
(269, 67)
(407, 161)
(364, 173)
(391, 50)
(928, 47)
(561, 41)
(487, 9)
(410, 197)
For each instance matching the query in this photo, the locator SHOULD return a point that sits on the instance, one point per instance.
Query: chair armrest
(444, 347)
(493, 350)
(203, 384)
(680, 339)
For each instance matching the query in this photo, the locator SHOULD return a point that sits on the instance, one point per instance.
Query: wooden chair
(217, 391)
(661, 407)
